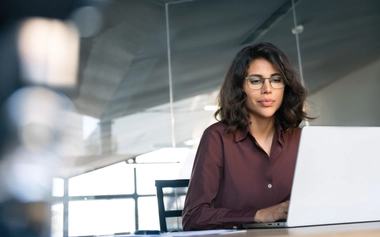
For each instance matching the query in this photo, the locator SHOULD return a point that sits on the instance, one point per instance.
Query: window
(115, 199)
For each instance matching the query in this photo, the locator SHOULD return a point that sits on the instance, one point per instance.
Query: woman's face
(263, 103)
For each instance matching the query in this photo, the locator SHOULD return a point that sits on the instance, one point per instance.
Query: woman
(244, 166)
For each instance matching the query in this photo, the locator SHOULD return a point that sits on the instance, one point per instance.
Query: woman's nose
(267, 87)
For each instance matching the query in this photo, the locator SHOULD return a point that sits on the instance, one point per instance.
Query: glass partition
(148, 83)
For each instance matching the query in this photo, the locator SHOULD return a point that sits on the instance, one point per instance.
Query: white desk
(369, 229)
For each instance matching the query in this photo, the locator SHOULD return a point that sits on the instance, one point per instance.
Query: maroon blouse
(233, 177)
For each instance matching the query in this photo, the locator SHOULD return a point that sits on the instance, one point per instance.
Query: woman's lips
(266, 102)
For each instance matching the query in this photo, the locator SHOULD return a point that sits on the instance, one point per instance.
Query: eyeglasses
(257, 82)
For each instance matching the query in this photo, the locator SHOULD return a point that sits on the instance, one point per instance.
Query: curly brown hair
(232, 109)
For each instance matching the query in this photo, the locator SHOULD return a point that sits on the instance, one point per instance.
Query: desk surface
(369, 229)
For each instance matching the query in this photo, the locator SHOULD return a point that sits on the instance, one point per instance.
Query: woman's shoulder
(293, 132)
(218, 127)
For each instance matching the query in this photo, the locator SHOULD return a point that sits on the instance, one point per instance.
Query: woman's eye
(276, 79)
(255, 82)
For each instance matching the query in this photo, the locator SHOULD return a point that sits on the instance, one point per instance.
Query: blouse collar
(241, 133)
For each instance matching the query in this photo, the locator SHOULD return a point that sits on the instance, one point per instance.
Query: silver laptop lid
(337, 176)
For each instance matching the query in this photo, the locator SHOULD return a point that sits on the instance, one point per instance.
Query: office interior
(101, 98)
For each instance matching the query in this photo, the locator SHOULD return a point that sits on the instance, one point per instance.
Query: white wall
(353, 100)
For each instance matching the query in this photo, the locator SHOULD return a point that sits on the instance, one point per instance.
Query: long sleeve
(207, 174)
(233, 177)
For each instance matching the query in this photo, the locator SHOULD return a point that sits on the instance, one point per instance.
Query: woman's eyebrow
(259, 75)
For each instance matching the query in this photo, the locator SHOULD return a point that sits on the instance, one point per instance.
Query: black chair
(170, 198)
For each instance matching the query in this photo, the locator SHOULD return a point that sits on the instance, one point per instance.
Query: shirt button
(269, 185)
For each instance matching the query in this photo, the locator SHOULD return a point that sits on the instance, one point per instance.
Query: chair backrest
(170, 203)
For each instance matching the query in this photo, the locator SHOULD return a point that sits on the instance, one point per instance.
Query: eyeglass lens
(257, 82)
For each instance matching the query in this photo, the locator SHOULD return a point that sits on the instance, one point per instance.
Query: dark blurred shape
(22, 217)
(9, 74)
(14, 10)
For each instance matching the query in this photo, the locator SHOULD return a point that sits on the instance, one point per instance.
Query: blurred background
(99, 98)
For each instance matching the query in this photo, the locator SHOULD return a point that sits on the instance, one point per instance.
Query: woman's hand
(273, 213)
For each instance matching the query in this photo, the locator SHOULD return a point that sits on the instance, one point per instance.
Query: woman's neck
(262, 128)
(263, 131)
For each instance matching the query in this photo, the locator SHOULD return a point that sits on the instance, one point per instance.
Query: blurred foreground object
(49, 52)
(35, 119)
(39, 58)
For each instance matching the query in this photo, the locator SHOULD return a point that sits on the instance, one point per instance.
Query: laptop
(336, 179)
